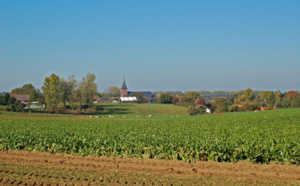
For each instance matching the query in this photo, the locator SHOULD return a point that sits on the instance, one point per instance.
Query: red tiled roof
(265, 108)
(22, 97)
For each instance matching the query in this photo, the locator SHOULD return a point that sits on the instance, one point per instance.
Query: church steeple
(124, 88)
(124, 84)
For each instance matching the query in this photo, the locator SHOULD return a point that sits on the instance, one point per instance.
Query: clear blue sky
(158, 45)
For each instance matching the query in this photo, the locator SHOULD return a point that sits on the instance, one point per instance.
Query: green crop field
(262, 137)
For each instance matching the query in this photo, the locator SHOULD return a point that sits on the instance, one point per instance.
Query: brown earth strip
(31, 168)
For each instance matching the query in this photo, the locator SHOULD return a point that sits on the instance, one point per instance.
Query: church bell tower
(124, 88)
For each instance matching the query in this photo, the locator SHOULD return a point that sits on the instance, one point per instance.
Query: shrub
(175, 100)
(199, 109)
(12, 107)
(60, 110)
(164, 98)
(233, 108)
(296, 103)
(252, 106)
(18, 107)
(89, 111)
(285, 104)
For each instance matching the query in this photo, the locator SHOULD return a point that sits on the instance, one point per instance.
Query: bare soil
(32, 168)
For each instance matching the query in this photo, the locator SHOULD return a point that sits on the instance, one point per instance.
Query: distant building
(25, 99)
(103, 100)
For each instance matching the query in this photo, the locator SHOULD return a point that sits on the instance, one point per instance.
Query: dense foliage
(270, 136)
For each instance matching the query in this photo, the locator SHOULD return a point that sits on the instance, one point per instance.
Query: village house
(24, 99)
(102, 100)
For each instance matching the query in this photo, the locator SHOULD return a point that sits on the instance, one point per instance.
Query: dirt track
(24, 168)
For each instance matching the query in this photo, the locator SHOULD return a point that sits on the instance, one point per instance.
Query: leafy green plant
(263, 137)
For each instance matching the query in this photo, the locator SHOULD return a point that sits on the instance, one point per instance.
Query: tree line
(239, 101)
(71, 96)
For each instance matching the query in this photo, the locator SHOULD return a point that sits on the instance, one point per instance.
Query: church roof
(146, 94)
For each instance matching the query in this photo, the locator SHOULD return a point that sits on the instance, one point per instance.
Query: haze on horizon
(157, 45)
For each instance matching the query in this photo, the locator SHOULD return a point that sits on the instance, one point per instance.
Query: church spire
(124, 84)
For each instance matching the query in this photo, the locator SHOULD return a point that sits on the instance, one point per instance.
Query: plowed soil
(31, 168)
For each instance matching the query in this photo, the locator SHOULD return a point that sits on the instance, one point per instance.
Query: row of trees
(77, 95)
(246, 100)
(57, 90)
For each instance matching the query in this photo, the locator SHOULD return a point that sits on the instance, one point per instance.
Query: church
(128, 94)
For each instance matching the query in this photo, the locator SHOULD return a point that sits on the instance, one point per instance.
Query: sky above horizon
(158, 45)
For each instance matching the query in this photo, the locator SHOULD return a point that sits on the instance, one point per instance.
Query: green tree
(67, 89)
(11, 101)
(233, 108)
(278, 97)
(246, 96)
(268, 97)
(285, 103)
(252, 106)
(192, 94)
(296, 102)
(88, 89)
(196, 109)
(4, 99)
(63, 91)
(221, 105)
(271, 99)
(71, 88)
(51, 92)
(164, 98)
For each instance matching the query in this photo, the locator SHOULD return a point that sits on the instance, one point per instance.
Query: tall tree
(221, 104)
(192, 94)
(71, 95)
(88, 89)
(246, 96)
(278, 97)
(63, 91)
(4, 99)
(268, 97)
(51, 92)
